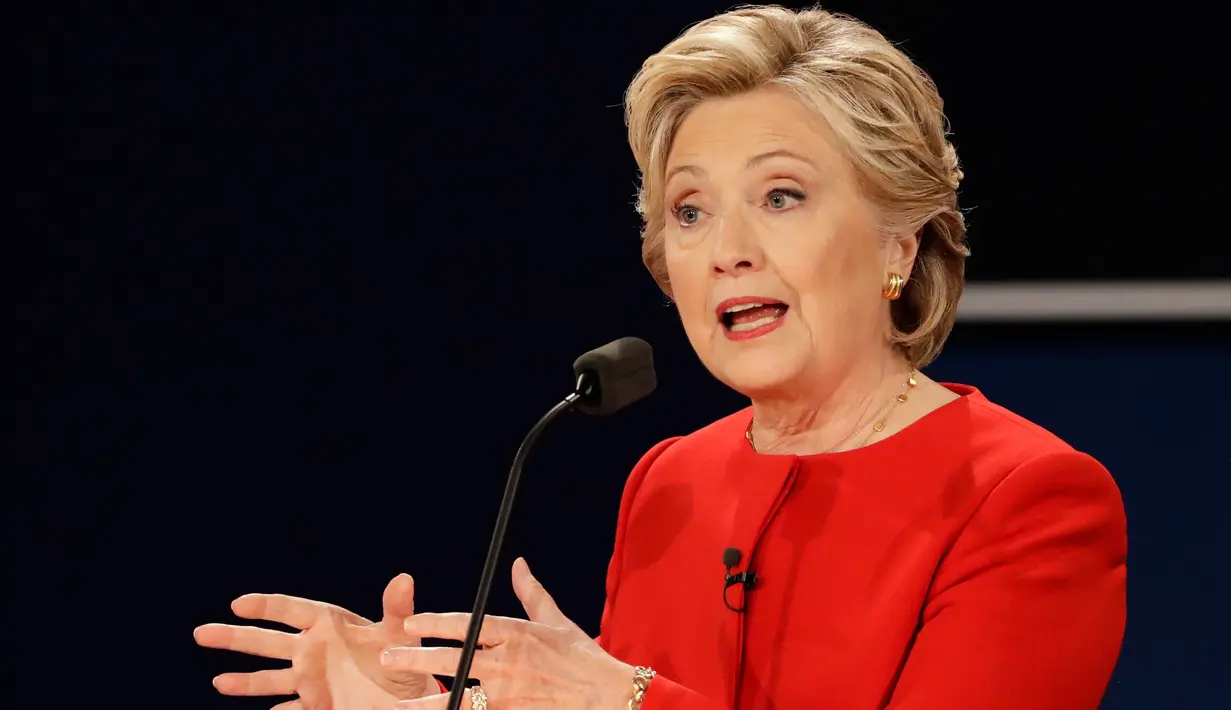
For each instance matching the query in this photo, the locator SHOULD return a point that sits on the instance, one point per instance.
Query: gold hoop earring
(893, 286)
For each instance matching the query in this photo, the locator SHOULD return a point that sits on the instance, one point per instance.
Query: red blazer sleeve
(626, 504)
(1028, 608)
(664, 694)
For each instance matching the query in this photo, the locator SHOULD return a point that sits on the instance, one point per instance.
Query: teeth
(743, 307)
(740, 327)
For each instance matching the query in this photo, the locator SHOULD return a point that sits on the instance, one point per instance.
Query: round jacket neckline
(921, 427)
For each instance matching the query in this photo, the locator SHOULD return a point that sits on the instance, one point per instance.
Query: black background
(302, 278)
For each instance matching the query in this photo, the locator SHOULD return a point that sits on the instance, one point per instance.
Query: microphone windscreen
(621, 372)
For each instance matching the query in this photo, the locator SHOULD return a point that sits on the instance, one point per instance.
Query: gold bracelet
(641, 683)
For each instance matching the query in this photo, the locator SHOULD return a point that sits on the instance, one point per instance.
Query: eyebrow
(752, 162)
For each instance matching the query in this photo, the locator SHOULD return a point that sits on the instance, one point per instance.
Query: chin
(761, 370)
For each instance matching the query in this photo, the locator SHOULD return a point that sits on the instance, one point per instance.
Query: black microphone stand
(586, 384)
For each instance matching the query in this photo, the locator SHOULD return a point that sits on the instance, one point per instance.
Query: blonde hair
(885, 110)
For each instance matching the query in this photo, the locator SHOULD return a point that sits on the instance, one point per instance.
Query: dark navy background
(301, 279)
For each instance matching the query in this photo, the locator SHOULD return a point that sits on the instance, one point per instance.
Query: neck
(829, 416)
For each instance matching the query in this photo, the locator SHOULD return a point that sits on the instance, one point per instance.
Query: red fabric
(972, 561)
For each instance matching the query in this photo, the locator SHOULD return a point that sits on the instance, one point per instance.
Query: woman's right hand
(335, 657)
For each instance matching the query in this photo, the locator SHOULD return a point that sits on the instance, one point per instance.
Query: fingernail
(521, 562)
(394, 656)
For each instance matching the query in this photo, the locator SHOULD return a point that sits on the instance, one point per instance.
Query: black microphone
(730, 558)
(614, 376)
(608, 379)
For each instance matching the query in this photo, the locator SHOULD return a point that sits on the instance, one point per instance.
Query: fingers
(293, 611)
(534, 598)
(435, 661)
(433, 702)
(495, 630)
(275, 682)
(246, 639)
(398, 603)
(289, 705)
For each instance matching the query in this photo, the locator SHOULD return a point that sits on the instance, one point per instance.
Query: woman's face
(772, 252)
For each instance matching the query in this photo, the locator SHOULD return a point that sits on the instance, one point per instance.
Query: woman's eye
(687, 214)
(782, 199)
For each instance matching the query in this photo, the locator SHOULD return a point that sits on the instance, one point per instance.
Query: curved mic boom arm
(586, 383)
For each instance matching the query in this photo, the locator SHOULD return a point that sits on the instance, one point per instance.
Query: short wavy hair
(884, 109)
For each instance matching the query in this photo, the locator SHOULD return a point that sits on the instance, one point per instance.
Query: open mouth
(751, 316)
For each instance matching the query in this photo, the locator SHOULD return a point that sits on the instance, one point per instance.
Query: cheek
(814, 264)
(834, 277)
(690, 291)
(688, 277)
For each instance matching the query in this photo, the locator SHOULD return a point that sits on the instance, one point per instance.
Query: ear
(900, 253)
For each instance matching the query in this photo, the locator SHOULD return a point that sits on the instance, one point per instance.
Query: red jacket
(972, 561)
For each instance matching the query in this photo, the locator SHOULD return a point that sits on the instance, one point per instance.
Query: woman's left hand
(546, 661)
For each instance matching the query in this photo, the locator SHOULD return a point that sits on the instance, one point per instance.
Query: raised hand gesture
(335, 656)
(544, 661)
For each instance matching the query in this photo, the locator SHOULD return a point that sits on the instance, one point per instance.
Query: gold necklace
(877, 426)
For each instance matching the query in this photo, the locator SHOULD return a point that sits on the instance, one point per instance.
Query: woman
(914, 545)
